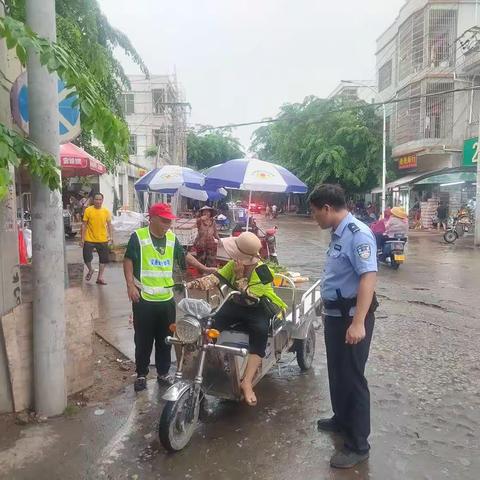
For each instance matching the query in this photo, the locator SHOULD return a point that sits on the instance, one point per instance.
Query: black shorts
(101, 248)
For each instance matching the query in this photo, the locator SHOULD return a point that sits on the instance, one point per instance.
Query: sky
(239, 61)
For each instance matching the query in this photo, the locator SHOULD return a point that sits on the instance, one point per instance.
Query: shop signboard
(407, 162)
(470, 152)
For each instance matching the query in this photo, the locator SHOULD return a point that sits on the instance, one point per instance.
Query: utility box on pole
(50, 392)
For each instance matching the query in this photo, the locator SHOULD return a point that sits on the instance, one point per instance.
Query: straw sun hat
(399, 212)
(244, 248)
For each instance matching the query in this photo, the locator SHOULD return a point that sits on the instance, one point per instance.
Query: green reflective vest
(156, 271)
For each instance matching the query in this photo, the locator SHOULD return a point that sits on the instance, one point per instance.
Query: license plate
(399, 258)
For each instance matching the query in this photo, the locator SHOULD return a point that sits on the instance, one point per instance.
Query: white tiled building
(155, 111)
(420, 54)
(355, 90)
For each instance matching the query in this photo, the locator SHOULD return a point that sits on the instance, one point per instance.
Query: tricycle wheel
(394, 264)
(178, 421)
(306, 350)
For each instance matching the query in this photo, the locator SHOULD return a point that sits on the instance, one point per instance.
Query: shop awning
(449, 178)
(399, 182)
(76, 162)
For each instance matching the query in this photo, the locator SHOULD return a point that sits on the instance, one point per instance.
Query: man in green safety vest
(148, 267)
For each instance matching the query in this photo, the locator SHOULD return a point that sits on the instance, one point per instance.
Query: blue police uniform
(351, 253)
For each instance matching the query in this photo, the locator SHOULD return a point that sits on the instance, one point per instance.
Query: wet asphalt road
(424, 375)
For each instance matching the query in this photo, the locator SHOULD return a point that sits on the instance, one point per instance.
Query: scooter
(458, 226)
(268, 238)
(393, 252)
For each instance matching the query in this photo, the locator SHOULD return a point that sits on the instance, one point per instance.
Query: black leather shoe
(347, 459)
(328, 425)
(140, 384)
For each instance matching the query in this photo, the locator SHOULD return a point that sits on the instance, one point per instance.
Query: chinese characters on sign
(406, 162)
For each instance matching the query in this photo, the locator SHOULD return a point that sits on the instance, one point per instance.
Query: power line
(343, 109)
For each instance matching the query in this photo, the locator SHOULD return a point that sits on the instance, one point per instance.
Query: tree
(211, 148)
(83, 58)
(84, 31)
(325, 141)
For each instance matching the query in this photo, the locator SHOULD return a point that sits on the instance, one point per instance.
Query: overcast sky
(238, 61)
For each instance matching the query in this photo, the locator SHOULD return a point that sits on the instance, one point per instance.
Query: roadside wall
(10, 292)
(17, 327)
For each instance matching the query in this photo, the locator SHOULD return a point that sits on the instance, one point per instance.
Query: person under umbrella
(207, 238)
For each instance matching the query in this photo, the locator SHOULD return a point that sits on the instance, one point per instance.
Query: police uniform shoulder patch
(353, 227)
(364, 251)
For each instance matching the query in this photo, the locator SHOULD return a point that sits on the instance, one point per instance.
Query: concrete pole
(47, 228)
(384, 162)
(477, 195)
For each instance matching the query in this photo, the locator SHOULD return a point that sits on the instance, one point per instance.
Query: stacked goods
(125, 224)
(429, 212)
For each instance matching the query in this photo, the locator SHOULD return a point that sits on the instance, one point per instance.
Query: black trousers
(349, 392)
(253, 319)
(150, 322)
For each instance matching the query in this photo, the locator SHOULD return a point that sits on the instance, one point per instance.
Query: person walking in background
(206, 243)
(97, 233)
(442, 215)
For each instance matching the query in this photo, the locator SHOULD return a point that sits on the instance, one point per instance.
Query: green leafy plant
(207, 149)
(325, 141)
(14, 147)
(97, 117)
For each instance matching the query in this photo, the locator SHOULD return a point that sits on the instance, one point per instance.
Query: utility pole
(47, 227)
(384, 160)
(477, 194)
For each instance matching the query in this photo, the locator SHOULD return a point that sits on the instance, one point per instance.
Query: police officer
(348, 292)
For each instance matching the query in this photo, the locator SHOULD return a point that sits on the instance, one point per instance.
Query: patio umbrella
(169, 179)
(177, 180)
(253, 175)
(76, 162)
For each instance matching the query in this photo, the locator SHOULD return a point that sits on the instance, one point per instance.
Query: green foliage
(97, 114)
(322, 141)
(151, 152)
(14, 147)
(207, 149)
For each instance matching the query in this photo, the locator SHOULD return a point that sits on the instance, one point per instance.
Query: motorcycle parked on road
(457, 227)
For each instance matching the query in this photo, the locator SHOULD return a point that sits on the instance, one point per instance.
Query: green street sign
(470, 152)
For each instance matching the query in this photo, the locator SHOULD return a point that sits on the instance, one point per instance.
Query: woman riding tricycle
(227, 351)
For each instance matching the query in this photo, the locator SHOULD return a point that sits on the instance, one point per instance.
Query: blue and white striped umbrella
(252, 174)
(172, 179)
(169, 179)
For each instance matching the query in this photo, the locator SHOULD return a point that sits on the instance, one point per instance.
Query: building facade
(418, 56)
(155, 111)
(355, 90)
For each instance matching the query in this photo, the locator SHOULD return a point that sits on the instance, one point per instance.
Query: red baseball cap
(162, 210)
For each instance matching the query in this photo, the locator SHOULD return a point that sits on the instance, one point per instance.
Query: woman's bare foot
(248, 394)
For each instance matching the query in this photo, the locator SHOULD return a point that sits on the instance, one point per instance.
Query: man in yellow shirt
(96, 235)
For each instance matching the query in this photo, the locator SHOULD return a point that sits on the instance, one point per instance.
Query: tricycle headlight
(188, 330)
